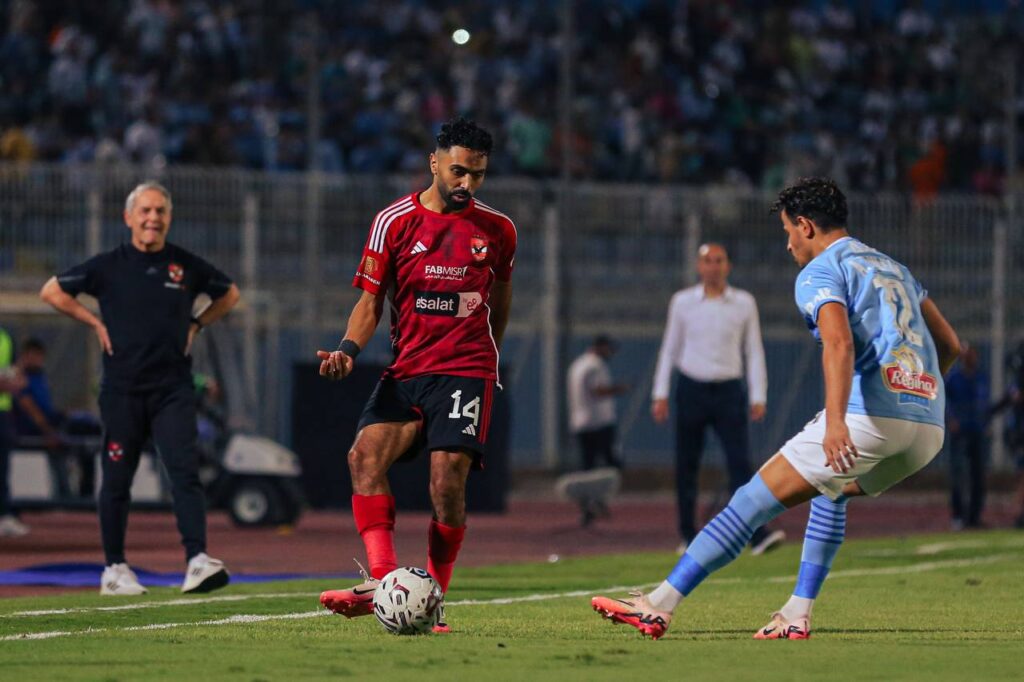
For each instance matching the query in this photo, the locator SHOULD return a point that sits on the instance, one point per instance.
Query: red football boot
(353, 602)
(636, 611)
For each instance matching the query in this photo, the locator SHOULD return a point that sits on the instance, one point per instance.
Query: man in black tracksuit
(146, 289)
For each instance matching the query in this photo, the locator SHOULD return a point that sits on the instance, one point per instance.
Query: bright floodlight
(460, 36)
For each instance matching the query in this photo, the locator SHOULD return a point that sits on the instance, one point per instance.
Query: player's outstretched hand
(840, 452)
(334, 365)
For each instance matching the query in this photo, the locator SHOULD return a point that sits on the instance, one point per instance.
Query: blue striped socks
(826, 528)
(721, 541)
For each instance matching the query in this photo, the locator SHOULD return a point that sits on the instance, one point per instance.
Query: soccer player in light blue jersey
(885, 347)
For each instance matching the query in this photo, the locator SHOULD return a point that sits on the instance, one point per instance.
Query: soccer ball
(408, 601)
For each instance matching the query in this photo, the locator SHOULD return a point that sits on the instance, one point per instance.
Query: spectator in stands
(830, 90)
(967, 401)
(10, 382)
(713, 330)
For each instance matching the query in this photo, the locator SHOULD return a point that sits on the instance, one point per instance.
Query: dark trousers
(598, 444)
(6, 442)
(168, 417)
(722, 405)
(967, 475)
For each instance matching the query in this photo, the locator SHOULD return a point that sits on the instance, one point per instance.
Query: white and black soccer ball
(408, 601)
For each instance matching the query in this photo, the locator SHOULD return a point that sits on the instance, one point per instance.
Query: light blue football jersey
(896, 368)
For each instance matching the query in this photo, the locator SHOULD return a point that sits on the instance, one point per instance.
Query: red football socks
(443, 546)
(375, 521)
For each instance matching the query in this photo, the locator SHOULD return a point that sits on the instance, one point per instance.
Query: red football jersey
(438, 269)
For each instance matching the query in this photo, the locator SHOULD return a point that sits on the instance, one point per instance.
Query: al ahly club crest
(175, 272)
(115, 451)
(478, 247)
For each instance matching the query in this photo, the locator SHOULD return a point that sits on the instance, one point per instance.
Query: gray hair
(129, 203)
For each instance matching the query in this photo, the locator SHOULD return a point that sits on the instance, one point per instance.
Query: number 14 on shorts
(470, 410)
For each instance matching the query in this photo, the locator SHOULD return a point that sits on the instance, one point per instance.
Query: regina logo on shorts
(907, 376)
(461, 304)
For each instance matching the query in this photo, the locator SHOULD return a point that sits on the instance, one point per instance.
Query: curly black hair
(461, 132)
(817, 199)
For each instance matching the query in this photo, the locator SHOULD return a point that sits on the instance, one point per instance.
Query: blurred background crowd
(880, 95)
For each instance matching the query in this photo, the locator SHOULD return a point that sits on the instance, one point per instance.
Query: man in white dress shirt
(712, 331)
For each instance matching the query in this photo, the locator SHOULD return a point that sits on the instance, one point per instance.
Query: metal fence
(598, 258)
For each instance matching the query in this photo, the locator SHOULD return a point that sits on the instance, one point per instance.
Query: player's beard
(448, 196)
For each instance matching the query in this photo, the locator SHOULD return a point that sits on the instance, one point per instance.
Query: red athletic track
(533, 529)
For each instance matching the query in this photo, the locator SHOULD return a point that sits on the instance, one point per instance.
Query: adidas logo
(469, 430)
(419, 248)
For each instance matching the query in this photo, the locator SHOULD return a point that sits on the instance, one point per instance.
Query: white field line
(939, 547)
(923, 550)
(230, 620)
(158, 604)
(259, 618)
(912, 568)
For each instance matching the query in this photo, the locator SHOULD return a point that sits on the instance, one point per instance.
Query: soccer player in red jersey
(443, 262)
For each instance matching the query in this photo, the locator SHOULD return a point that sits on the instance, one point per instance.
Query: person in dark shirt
(35, 416)
(1012, 401)
(66, 437)
(146, 289)
(967, 398)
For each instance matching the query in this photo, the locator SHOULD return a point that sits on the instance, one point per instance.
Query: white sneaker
(119, 580)
(11, 527)
(205, 574)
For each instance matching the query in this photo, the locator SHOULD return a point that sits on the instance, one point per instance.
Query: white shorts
(889, 451)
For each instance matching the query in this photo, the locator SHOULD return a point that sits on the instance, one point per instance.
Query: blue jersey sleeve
(819, 283)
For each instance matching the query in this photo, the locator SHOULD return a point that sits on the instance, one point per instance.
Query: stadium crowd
(892, 97)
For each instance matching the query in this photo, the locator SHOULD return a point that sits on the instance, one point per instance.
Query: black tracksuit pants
(130, 420)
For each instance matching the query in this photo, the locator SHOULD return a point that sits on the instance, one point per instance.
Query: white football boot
(119, 580)
(204, 574)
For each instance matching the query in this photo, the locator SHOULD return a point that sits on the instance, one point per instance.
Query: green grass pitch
(936, 607)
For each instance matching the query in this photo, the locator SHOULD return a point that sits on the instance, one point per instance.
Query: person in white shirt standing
(712, 331)
(592, 392)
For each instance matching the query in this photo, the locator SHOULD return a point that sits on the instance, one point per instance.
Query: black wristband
(195, 320)
(349, 348)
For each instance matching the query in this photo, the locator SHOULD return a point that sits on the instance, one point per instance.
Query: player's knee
(363, 465)
(446, 495)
